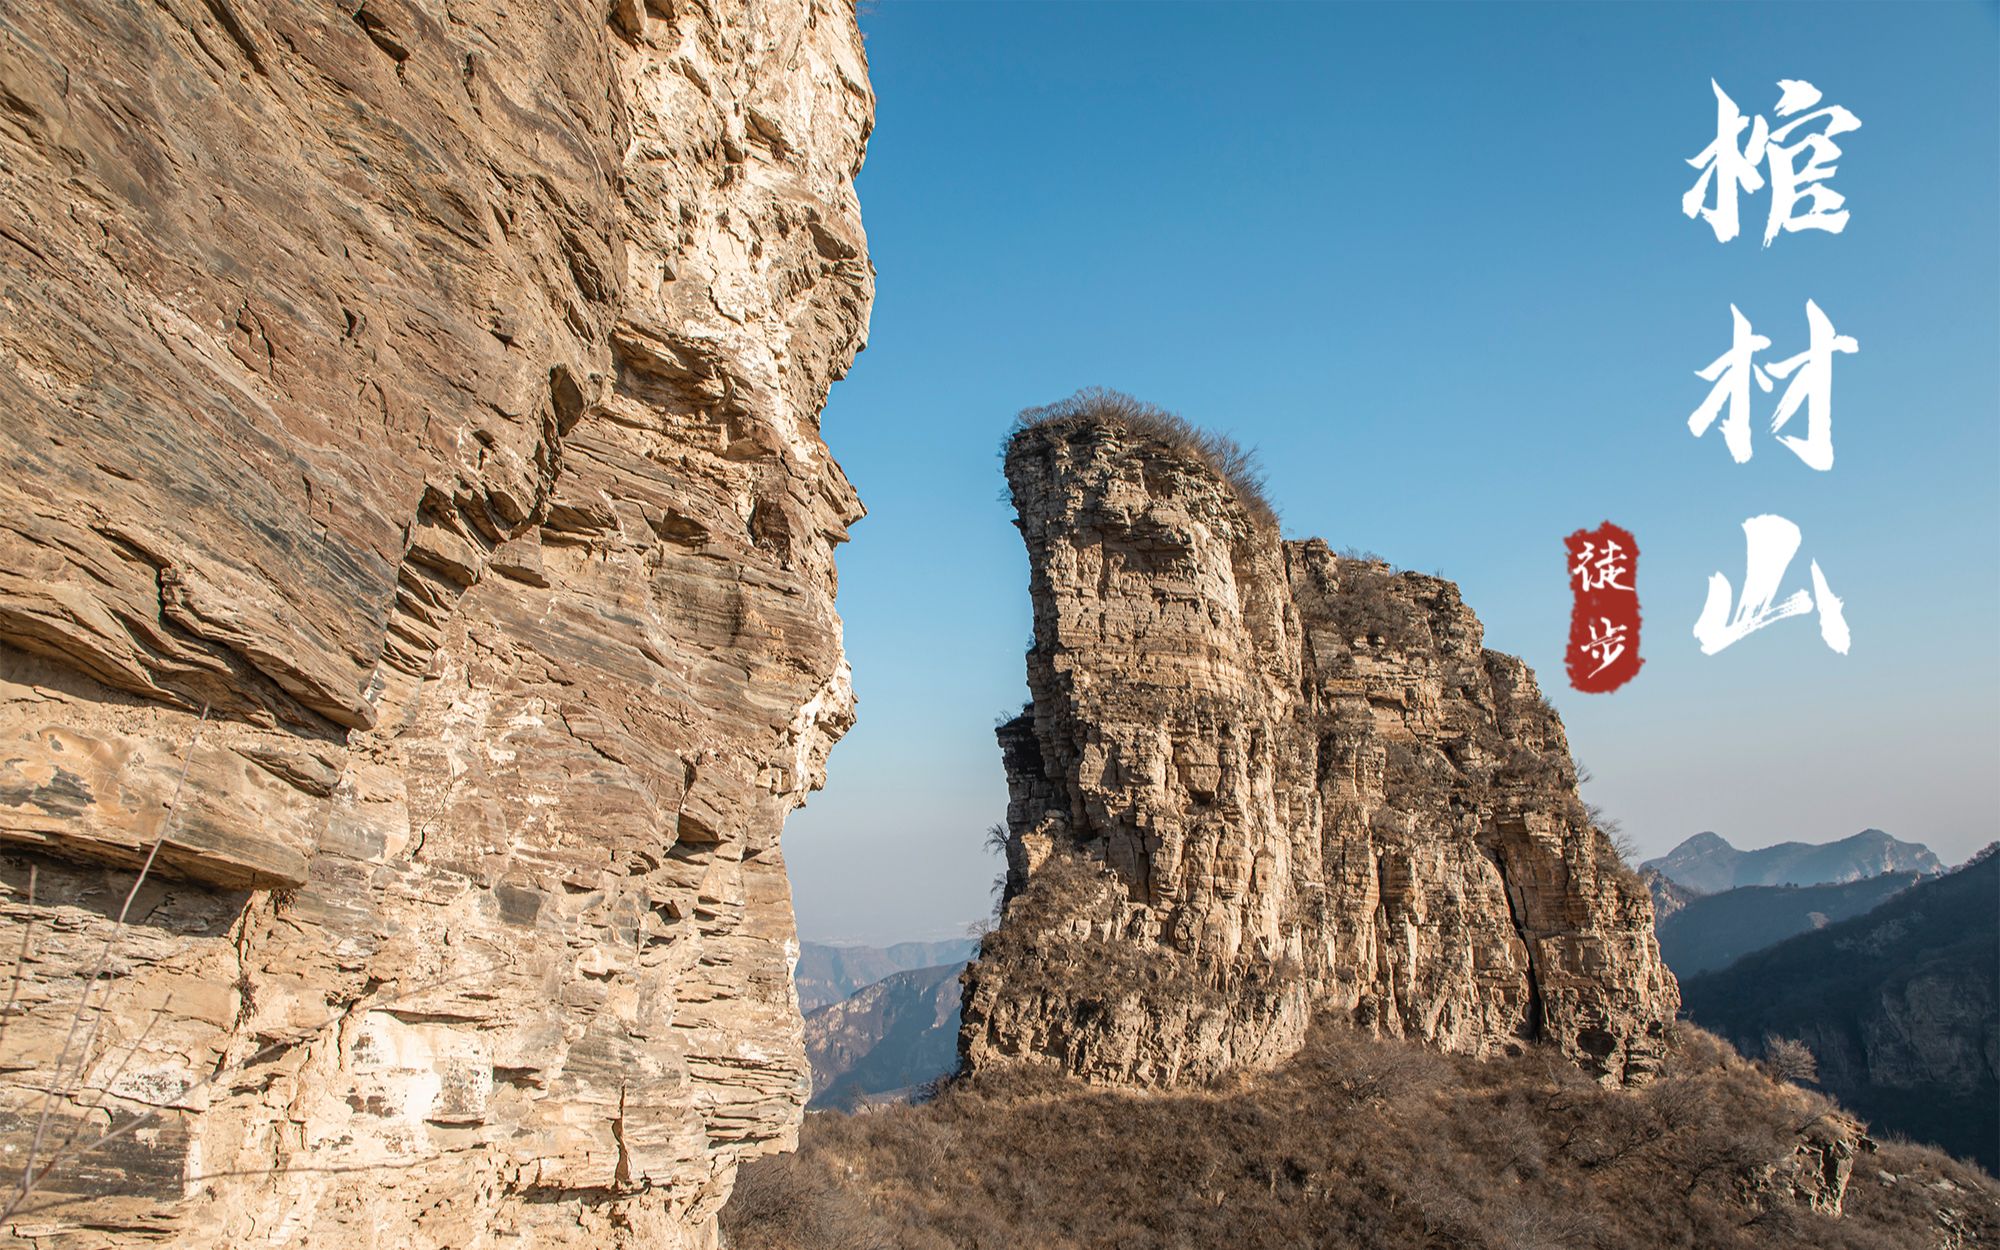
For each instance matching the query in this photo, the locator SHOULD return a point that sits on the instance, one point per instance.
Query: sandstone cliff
(1259, 781)
(430, 391)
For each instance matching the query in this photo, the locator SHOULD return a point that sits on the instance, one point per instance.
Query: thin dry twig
(15, 1208)
(104, 1091)
(66, 1085)
(20, 959)
(29, 1175)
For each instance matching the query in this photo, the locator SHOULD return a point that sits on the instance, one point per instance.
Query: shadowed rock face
(1258, 781)
(431, 391)
(1900, 1006)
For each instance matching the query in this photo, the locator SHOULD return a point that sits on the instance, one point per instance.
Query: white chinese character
(1771, 542)
(1732, 373)
(1814, 388)
(1606, 644)
(1811, 387)
(1795, 185)
(1601, 572)
(1728, 166)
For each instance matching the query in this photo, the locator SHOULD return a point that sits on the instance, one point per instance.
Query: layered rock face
(1259, 783)
(415, 522)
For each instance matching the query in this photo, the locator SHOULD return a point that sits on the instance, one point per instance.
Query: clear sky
(1430, 260)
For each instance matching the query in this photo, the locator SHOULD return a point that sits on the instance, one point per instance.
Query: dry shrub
(789, 1203)
(1366, 1143)
(1040, 950)
(1368, 606)
(1788, 1059)
(1099, 405)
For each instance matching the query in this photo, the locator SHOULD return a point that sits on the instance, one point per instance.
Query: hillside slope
(827, 973)
(1359, 1143)
(1669, 896)
(1901, 1006)
(1711, 931)
(886, 1041)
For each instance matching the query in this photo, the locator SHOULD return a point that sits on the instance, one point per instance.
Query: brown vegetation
(1096, 404)
(1055, 943)
(1356, 1143)
(1788, 1059)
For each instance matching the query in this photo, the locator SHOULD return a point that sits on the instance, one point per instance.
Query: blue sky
(1430, 261)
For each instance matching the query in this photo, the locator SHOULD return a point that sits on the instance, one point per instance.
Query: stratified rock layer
(429, 390)
(1259, 781)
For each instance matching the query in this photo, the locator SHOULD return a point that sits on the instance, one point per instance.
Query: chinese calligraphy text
(1603, 568)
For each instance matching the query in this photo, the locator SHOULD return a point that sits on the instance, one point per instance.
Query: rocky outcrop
(1260, 782)
(1816, 1175)
(416, 526)
(1670, 897)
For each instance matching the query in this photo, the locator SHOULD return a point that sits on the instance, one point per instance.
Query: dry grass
(1356, 1143)
(1039, 952)
(1098, 405)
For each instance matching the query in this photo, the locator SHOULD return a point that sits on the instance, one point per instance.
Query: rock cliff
(1259, 781)
(415, 524)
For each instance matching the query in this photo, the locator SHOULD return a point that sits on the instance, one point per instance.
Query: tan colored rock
(1669, 896)
(1817, 1173)
(1260, 782)
(431, 391)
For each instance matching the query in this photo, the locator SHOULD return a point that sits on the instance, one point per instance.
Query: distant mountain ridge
(827, 973)
(887, 1040)
(1710, 931)
(1709, 864)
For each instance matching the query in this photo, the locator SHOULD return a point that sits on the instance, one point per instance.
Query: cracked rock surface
(1259, 782)
(429, 391)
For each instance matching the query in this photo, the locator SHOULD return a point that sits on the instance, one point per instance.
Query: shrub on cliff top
(1096, 404)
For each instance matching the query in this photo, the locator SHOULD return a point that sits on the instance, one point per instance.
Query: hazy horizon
(1431, 261)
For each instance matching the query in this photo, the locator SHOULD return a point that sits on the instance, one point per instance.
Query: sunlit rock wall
(430, 391)
(1259, 784)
